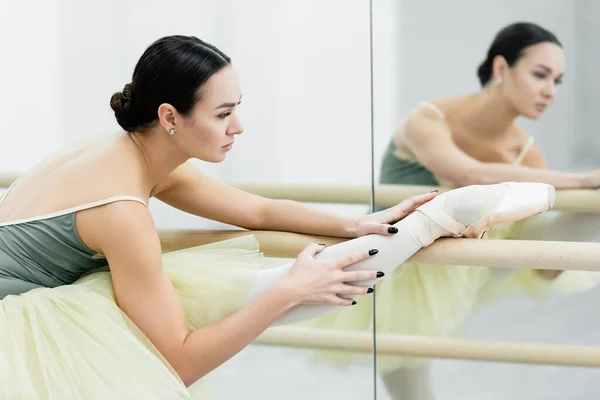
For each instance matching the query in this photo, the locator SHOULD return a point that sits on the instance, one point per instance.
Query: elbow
(259, 218)
(188, 368)
(189, 380)
(188, 373)
(473, 176)
(266, 216)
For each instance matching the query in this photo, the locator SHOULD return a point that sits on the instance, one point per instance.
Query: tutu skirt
(74, 342)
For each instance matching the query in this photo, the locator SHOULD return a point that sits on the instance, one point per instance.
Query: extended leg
(467, 212)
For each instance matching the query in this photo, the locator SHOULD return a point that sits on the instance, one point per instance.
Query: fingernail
(321, 244)
(392, 229)
(373, 252)
(380, 274)
(353, 302)
(434, 191)
(370, 290)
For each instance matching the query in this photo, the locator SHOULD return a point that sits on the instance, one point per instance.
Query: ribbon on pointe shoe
(423, 235)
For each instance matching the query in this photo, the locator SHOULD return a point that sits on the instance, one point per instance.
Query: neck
(160, 154)
(489, 113)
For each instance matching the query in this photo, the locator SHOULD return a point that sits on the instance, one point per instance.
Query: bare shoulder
(92, 170)
(532, 154)
(423, 122)
(442, 108)
(125, 224)
(430, 114)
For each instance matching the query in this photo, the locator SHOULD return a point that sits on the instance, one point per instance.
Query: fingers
(409, 205)
(311, 250)
(354, 258)
(357, 276)
(338, 301)
(385, 229)
(352, 290)
(373, 227)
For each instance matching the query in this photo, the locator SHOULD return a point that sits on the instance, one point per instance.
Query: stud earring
(172, 131)
(499, 81)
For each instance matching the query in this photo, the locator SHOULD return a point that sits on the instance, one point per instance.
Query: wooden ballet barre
(389, 195)
(428, 347)
(519, 254)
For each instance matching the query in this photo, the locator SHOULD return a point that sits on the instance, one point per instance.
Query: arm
(431, 143)
(191, 191)
(143, 291)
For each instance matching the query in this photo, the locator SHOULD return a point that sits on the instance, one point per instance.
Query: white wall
(441, 44)
(30, 82)
(305, 81)
(586, 152)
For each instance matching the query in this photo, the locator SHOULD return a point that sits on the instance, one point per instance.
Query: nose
(549, 90)
(235, 127)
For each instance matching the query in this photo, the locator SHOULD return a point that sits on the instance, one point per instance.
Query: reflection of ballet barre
(524, 254)
(419, 346)
(390, 195)
(385, 195)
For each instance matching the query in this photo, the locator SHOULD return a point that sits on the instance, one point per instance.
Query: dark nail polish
(373, 252)
(392, 229)
(321, 244)
(434, 191)
(370, 290)
(353, 302)
(380, 274)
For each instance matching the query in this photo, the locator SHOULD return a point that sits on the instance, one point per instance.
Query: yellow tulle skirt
(73, 342)
(435, 300)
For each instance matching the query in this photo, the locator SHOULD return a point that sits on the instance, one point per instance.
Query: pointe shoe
(471, 211)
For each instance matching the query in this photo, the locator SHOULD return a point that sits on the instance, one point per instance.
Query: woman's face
(530, 84)
(209, 132)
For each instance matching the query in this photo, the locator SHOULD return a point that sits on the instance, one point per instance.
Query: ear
(499, 68)
(167, 116)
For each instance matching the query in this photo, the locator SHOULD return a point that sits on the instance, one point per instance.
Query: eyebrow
(229, 105)
(548, 69)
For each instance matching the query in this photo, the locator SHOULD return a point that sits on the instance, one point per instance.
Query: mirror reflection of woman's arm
(430, 141)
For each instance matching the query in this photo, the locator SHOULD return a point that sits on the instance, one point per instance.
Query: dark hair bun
(120, 102)
(484, 72)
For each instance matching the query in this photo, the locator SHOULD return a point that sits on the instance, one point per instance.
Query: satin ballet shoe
(470, 211)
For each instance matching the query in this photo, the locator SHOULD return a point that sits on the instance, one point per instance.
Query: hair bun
(484, 72)
(120, 102)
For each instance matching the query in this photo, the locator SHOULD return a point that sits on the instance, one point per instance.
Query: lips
(541, 106)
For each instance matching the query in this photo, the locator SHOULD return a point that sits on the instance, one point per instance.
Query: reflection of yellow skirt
(435, 300)
(73, 342)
